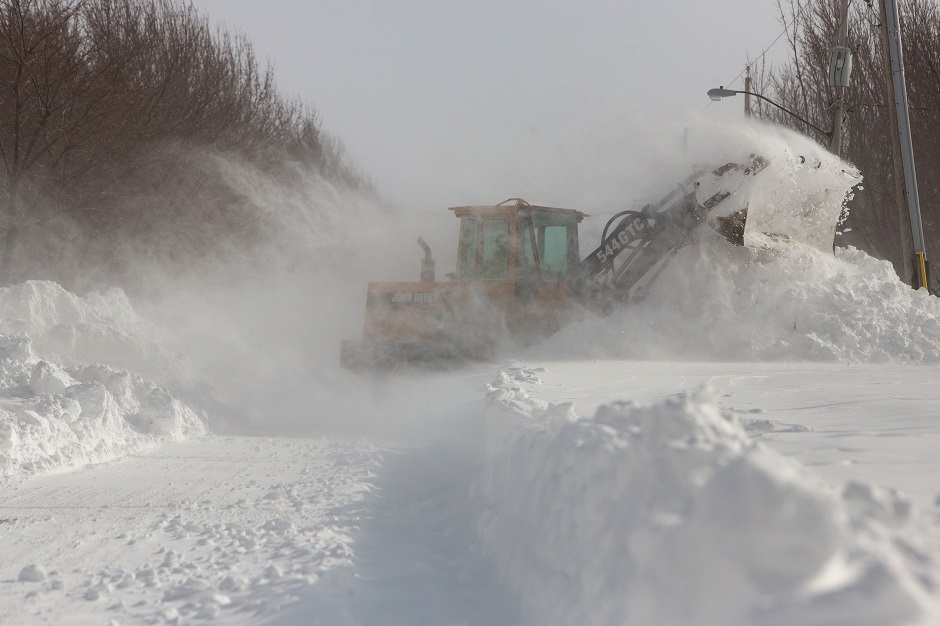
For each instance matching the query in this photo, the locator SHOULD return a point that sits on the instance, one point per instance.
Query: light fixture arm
(721, 93)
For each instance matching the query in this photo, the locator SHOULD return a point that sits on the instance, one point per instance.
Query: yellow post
(922, 270)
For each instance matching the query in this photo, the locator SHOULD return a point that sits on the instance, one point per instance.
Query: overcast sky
(408, 84)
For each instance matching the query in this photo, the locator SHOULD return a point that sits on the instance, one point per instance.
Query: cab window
(554, 249)
(495, 249)
(556, 236)
(468, 248)
(525, 253)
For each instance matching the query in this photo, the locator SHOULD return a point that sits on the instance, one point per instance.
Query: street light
(721, 93)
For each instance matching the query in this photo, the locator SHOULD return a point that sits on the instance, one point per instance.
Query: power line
(766, 50)
(786, 27)
(882, 106)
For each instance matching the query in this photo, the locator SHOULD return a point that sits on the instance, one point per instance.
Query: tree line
(801, 84)
(108, 112)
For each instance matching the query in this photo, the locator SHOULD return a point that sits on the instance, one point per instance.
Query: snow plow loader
(520, 277)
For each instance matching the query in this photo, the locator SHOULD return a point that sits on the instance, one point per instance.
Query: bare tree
(104, 102)
(801, 84)
(43, 74)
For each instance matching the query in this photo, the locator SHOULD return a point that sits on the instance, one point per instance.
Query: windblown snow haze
(753, 443)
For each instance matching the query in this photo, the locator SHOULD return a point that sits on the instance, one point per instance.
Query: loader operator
(496, 263)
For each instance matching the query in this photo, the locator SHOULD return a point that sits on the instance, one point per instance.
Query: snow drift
(672, 514)
(97, 328)
(59, 406)
(795, 303)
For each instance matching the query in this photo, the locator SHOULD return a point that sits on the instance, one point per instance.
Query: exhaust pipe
(427, 263)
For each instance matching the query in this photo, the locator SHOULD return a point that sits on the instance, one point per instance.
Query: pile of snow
(671, 514)
(58, 406)
(782, 298)
(719, 302)
(97, 328)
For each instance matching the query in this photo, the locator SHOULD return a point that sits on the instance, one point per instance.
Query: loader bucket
(797, 200)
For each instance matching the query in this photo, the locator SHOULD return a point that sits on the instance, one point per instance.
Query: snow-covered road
(418, 558)
(229, 528)
(299, 531)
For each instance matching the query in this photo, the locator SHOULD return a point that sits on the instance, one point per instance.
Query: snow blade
(797, 200)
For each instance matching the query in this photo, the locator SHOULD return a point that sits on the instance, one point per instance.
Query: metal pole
(912, 233)
(747, 93)
(839, 113)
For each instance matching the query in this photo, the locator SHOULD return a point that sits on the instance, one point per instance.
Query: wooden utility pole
(913, 254)
(838, 113)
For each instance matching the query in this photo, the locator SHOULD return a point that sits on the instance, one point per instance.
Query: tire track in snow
(418, 556)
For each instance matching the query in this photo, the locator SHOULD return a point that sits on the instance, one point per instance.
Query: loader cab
(519, 257)
(517, 242)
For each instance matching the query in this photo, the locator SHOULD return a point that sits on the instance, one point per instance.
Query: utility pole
(747, 93)
(839, 113)
(913, 253)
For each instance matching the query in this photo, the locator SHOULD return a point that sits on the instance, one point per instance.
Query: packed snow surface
(224, 530)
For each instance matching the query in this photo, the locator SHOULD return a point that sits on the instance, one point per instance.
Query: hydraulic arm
(637, 245)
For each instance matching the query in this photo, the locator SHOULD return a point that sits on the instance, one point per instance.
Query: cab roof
(510, 207)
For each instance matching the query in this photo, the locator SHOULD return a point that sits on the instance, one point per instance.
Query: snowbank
(97, 328)
(672, 514)
(58, 408)
(720, 302)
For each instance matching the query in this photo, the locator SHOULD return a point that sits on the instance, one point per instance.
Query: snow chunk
(32, 573)
(49, 378)
(15, 348)
(159, 413)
